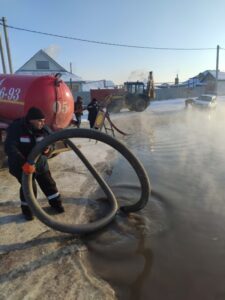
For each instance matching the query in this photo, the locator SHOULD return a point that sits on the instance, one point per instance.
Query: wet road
(175, 248)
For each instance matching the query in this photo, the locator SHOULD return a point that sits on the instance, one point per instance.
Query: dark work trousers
(46, 183)
(78, 117)
(92, 123)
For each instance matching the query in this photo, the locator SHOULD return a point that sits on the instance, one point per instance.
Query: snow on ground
(72, 179)
(38, 262)
(166, 105)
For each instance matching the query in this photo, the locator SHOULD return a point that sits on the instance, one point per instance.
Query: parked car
(202, 102)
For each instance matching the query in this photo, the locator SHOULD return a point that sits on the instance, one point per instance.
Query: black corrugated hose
(65, 135)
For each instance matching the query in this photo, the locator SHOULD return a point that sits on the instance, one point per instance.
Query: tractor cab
(134, 87)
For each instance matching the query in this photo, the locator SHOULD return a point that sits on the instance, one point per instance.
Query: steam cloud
(53, 50)
(138, 75)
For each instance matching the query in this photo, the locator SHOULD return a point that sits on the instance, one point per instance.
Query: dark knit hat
(34, 114)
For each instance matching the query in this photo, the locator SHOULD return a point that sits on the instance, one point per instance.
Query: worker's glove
(46, 151)
(28, 168)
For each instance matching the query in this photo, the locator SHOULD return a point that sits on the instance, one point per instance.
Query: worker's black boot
(57, 205)
(27, 212)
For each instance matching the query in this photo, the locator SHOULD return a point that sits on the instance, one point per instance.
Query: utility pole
(71, 71)
(217, 67)
(2, 55)
(7, 44)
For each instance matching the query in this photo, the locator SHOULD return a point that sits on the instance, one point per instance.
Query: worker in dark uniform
(78, 110)
(22, 136)
(93, 109)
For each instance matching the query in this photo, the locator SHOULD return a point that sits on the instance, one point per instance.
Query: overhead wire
(109, 43)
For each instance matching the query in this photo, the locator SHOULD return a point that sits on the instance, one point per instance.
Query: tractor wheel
(140, 105)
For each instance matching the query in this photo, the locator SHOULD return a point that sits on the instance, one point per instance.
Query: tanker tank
(50, 94)
(18, 93)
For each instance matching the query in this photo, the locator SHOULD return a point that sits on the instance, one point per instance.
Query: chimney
(176, 80)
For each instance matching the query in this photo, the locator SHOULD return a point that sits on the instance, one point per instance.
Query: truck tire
(115, 106)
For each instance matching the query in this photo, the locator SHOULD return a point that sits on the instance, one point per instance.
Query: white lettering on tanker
(10, 93)
(64, 107)
(1, 81)
(60, 107)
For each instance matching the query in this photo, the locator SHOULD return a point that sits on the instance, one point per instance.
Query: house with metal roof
(203, 83)
(42, 64)
(208, 79)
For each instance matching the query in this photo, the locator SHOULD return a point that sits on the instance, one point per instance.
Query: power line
(108, 43)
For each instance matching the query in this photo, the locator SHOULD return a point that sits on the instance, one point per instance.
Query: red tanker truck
(20, 92)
